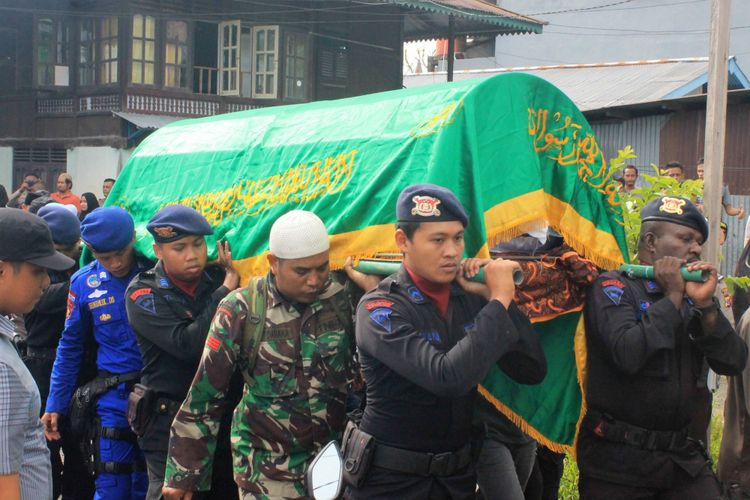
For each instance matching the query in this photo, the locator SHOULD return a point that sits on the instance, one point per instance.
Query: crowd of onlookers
(32, 194)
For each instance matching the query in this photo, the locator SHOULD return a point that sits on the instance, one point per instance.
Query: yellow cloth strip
(522, 424)
(579, 347)
(531, 210)
(505, 221)
(360, 244)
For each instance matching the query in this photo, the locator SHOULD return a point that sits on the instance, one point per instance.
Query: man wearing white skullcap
(296, 366)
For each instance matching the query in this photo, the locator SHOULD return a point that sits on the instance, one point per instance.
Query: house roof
(148, 122)
(606, 85)
(426, 20)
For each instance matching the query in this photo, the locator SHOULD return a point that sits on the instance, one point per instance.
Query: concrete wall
(6, 169)
(89, 166)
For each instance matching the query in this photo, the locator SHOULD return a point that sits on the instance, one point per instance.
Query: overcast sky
(589, 31)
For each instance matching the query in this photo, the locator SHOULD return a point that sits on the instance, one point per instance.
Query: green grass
(569, 482)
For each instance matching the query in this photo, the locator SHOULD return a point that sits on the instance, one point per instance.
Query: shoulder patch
(145, 300)
(138, 293)
(613, 282)
(378, 303)
(213, 343)
(614, 293)
(415, 295)
(71, 304)
(93, 281)
(382, 316)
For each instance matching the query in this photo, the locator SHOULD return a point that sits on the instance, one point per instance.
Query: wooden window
(144, 50)
(295, 66)
(107, 44)
(176, 55)
(265, 62)
(53, 52)
(229, 58)
(87, 53)
(8, 41)
(334, 63)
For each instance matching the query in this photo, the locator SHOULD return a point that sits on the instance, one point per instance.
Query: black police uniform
(421, 372)
(645, 360)
(44, 326)
(171, 327)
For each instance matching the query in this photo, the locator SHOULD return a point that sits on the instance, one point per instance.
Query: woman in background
(88, 204)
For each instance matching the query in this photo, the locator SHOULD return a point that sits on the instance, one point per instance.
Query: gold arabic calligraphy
(566, 143)
(297, 184)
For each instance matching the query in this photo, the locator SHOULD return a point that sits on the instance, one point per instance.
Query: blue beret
(177, 221)
(677, 211)
(429, 203)
(107, 229)
(63, 224)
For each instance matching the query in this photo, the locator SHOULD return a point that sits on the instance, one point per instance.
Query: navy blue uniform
(421, 371)
(645, 360)
(96, 302)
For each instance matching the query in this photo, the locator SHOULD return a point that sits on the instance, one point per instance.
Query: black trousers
(389, 485)
(70, 477)
(705, 486)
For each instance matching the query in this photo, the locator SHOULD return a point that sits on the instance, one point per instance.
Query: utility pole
(716, 111)
(451, 48)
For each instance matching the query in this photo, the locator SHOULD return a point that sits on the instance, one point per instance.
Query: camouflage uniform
(296, 406)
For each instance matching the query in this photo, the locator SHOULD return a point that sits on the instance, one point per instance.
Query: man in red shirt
(64, 194)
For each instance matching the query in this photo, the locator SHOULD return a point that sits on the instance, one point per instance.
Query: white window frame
(231, 50)
(262, 55)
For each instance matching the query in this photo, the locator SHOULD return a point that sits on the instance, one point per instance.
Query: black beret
(676, 210)
(177, 221)
(429, 203)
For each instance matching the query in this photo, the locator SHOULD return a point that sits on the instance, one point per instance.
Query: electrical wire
(582, 9)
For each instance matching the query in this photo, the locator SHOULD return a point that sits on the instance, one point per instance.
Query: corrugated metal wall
(642, 133)
(682, 139)
(735, 236)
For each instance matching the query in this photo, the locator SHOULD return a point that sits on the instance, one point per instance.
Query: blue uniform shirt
(96, 300)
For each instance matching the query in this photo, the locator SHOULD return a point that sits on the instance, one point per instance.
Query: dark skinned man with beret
(648, 342)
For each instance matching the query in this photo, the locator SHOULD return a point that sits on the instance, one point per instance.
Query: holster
(358, 449)
(82, 411)
(140, 408)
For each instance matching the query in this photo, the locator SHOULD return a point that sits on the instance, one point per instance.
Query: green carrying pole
(388, 267)
(647, 272)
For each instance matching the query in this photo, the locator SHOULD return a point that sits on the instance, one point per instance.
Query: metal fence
(735, 236)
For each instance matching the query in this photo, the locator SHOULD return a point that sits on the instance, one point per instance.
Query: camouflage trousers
(275, 490)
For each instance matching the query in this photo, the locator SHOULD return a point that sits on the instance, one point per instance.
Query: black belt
(421, 463)
(617, 431)
(45, 353)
